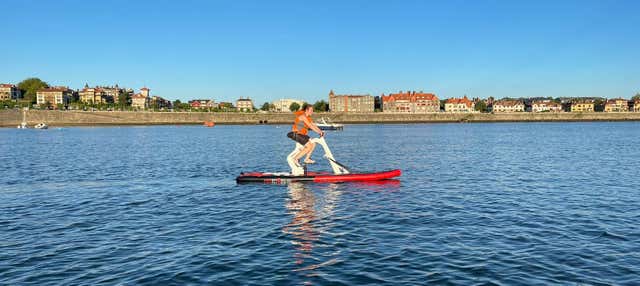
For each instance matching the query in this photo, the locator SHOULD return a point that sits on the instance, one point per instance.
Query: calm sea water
(512, 203)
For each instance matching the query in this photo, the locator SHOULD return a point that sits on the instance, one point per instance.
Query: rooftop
(508, 102)
(411, 96)
(463, 100)
(54, 89)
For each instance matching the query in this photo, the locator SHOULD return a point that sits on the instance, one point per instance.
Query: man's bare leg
(308, 147)
(308, 159)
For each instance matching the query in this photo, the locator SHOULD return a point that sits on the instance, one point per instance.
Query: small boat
(209, 124)
(41, 126)
(326, 124)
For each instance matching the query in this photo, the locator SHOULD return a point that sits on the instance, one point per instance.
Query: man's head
(308, 108)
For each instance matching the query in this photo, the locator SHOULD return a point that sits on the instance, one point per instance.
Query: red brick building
(410, 102)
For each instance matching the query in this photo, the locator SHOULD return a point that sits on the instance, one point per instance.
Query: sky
(267, 50)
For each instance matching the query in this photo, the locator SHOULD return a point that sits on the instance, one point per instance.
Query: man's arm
(312, 125)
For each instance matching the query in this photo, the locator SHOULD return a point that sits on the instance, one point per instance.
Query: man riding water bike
(299, 133)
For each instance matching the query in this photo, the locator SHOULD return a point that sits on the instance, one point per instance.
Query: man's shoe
(309, 161)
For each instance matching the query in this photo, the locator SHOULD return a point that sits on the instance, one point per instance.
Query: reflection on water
(311, 217)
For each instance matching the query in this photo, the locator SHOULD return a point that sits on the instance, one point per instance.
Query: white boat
(41, 126)
(326, 124)
(24, 125)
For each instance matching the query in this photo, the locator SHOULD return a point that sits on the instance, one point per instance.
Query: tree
(636, 97)
(265, 107)
(442, 102)
(226, 106)
(29, 87)
(124, 99)
(294, 106)
(8, 104)
(598, 105)
(321, 106)
(481, 106)
(176, 104)
(45, 105)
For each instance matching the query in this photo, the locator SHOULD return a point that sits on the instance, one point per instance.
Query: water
(512, 203)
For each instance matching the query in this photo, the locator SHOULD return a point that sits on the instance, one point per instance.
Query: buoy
(209, 123)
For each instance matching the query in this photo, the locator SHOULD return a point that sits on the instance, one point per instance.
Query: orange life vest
(299, 126)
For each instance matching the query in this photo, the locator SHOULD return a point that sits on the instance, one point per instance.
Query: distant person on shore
(299, 133)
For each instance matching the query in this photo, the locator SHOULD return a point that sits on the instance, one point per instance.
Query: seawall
(12, 118)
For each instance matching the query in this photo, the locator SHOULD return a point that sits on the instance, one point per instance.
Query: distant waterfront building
(225, 106)
(9, 92)
(545, 106)
(350, 103)
(504, 106)
(100, 94)
(203, 104)
(244, 104)
(141, 100)
(410, 102)
(616, 105)
(282, 105)
(459, 105)
(91, 95)
(159, 102)
(582, 105)
(635, 105)
(54, 96)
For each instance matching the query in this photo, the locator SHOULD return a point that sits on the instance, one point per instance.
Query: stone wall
(10, 118)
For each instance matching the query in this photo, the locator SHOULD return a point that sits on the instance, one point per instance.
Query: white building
(459, 105)
(244, 104)
(502, 106)
(141, 100)
(282, 105)
(546, 106)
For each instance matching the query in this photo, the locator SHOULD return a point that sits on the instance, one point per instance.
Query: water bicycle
(299, 173)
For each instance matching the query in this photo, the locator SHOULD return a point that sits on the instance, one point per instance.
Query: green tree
(124, 99)
(377, 104)
(598, 105)
(481, 106)
(636, 97)
(29, 87)
(294, 106)
(8, 104)
(265, 107)
(226, 106)
(176, 104)
(321, 106)
(45, 105)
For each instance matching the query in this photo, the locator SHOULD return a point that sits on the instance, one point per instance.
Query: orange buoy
(209, 123)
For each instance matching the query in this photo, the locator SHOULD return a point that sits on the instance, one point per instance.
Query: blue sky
(301, 49)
